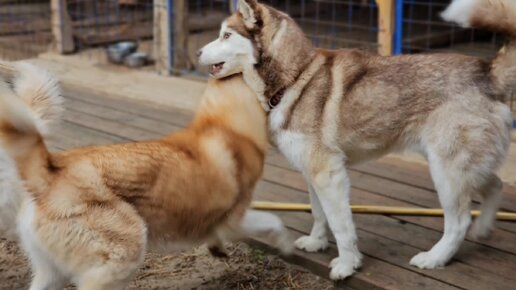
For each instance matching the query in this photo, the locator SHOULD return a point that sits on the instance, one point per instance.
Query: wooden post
(161, 37)
(386, 18)
(62, 27)
(171, 35)
(181, 31)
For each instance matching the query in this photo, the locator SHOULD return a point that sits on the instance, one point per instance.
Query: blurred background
(166, 33)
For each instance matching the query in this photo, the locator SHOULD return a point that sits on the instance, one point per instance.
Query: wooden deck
(387, 242)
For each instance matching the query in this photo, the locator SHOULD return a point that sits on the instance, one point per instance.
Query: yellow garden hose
(373, 209)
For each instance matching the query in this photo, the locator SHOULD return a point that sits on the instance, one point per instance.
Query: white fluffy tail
(494, 15)
(12, 193)
(28, 108)
(497, 16)
(40, 92)
(25, 113)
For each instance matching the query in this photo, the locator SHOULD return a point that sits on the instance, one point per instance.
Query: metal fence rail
(25, 29)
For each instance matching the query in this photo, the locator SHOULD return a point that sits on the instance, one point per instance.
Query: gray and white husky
(329, 109)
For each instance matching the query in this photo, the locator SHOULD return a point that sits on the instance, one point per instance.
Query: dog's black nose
(198, 53)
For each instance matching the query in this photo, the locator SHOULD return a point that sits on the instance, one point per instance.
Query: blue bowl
(117, 53)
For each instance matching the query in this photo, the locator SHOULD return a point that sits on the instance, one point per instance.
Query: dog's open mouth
(216, 68)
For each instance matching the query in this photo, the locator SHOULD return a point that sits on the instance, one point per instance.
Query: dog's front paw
(311, 244)
(341, 268)
(284, 243)
(427, 260)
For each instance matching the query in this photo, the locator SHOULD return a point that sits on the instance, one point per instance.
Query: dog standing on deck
(90, 214)
(329, 109)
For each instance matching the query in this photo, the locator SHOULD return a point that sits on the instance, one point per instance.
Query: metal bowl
(136, 59)
(116, 53)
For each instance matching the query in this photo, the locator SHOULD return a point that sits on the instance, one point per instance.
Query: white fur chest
(295, 146)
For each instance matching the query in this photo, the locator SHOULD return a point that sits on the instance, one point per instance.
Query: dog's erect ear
(249, 11)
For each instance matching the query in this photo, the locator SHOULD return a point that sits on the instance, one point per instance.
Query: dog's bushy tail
(497, 16)
(26, 110)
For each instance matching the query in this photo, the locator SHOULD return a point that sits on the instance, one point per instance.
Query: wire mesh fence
(99, 23)
(335, 23)
(25, 29)
(204, 19)
(328, 23)
(425, 31)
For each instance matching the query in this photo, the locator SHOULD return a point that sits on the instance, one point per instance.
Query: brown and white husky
(90, 214)
(328, 109)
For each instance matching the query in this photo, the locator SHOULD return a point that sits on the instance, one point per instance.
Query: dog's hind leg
(492, 196)
(46, 276)
(107, 277)
(454, 191)
(318, 238)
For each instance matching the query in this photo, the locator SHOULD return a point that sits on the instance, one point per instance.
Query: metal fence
(335, 23)
(424, 31)
(98, 23)
(25, 29)
(329, 23)
(420, 29)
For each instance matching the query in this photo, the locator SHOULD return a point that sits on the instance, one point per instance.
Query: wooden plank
(374, 274)
(62, 27)
(205, 21)
(389, 189)
(102, 112)
(421, 233)
(412, 239)
(25, 8)
(177, 117)
(24, 26)
(104, 35)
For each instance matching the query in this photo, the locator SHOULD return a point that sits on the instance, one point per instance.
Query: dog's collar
(276, 98)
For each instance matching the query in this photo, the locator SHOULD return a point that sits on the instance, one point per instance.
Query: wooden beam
(161, 37)
(62, 27)
(386, 17)
(181, 31)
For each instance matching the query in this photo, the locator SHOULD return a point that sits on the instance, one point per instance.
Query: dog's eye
(226, 35)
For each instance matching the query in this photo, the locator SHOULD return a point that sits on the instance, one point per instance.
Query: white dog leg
(492, 195)
(257, 223)
(454, 195)
(46, 276)
(332, 185)
(318, 238)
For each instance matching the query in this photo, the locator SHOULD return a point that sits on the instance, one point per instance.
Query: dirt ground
(246, 268)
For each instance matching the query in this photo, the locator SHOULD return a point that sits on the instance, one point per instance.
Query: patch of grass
(258, 255)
